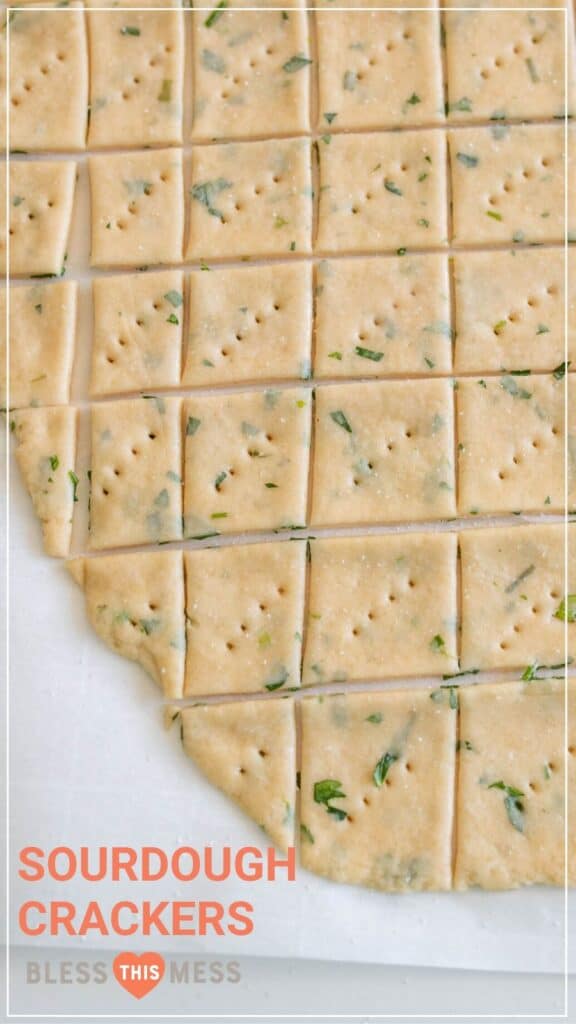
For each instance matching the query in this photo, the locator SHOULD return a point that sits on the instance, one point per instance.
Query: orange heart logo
(138, 974)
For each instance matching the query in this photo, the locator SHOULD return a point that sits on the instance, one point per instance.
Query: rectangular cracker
(510, 797)
(136, 75)
(42, 327)
(136, 472)
(246, 461)
(46, 454)
(379, 69)
(249, 324)
(41, 199)
(250, 68)
(137, 208)
(248, 750)
(507, 64)
(135, 603)
(383, 452)
(507, 184)
(48, 78)
(513, 596)
(389, 760)
(244, 609)
(509, 310)
(510, 434)
(381, 607)
(382, 192)
(137, 341)
(250, 198)
(383, 317)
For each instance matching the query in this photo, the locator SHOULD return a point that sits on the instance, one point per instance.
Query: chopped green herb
(129, 30)
(219, 515)
(513, 804)
(306, 833)
(327, 790)
(457, 675)
(216, 13)
(339, 418)
(499, 327)
(543, 329)
(296, 63)
(423, 223)
(509, 384)
(375, 719)
(464, 105)
(335, 355)
(17, 200)
(463, 745)
(329, 118)
(206, 191)
(220, 479)
(278, 679)
(172, 319)
(438, 643)
(566, 610)
(368, 353)
(467, 159)
(532, 70)
(413, 100)
(279, 222)
(494, 214)
(390, 186)
(165, 94)
(383, 766)
(192, 425)
(38, 307)
(213, 62)
(560, 371)
(271, 486)
(174, 298)
(519, 579)
(74, 481)
(54, 462)
(349, 81)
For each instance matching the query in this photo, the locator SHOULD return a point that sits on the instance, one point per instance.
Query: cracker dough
(510, 433)
(510, 798)
(510, 310)
(249, 324)
(250, 69)
(137, 338)
(137, 67)
(46, 454)
(507, 64)
(244, 608)
(250, 199)
(383, 451)
(48, 78)
(41, 199)
(248, 750)
(381, 607)
(507, 184)
(246, 462)
(136, 472)
(42, 329)
(394, 836)
(382, 192)
(135, 603)
(379, 69)
(383, 317)
(137, 208)
(512, 592)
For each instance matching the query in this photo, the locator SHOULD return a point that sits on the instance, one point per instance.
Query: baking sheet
(90, 765)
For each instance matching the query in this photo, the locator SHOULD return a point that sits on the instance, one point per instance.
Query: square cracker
(135, 603)
(250, 69)
(382, 192)
(510, 434)
(46, 454)
(41, 336)
(379, 69)
(381, 607)
(390, 827)
(41, 199)
(512, 596)
(48, 78)
(250, 198)
(507, 184)
(383, 452)
(507, 64)
(510, 796)
(383, 317)
(137, 67)
(509, 310)
(248, 750)
(136, 472)
(249, 324)
(244, 608)
(137, 338)
(137, 208)
(246, 461)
